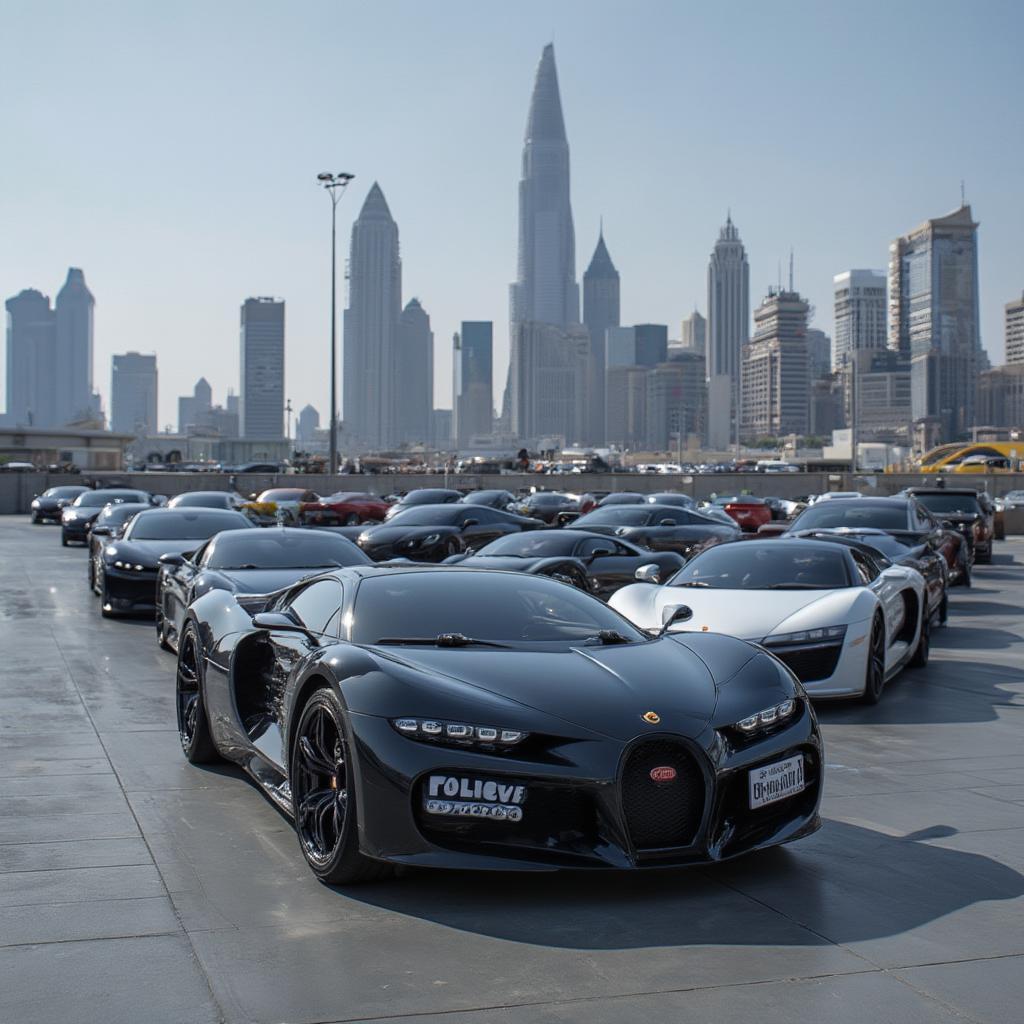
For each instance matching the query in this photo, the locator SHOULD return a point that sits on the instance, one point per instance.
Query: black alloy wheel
(874, 681)
(193, 725)
(923, 649)
(161, 631)
(323, 801)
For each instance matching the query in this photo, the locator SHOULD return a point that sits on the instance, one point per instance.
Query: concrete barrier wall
(18, 489)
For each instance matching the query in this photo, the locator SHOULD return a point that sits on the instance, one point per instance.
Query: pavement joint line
(84, 867)
(214, 1002)
(92, 938)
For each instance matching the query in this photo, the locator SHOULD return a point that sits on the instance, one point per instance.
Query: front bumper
(830, 670)
(580, 809)
(53, 515)
(76, 529)
(131, 591)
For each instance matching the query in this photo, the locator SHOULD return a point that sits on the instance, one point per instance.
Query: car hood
(605, 690)
(377, 535)
(149, 551)
(265, 581)
(743, 613)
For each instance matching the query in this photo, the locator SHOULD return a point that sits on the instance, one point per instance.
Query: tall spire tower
(600, 311)
(545, 290)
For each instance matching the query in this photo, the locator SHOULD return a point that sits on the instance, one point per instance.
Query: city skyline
(262, 231)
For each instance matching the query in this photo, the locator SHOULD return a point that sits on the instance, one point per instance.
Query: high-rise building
(727, 332)
(31, 357)
(883, 398)
(72, 371)
(545, 290)
(472, 384)
(441, 428)
(133, 395)
(693, 419)
(651, 344)
(859, 314)
(261, 409)
(549, 381)
(775, 378)
(627, 406)
(825, 407)
(674, 402)
(371, 327)
(192, 407)
(933, 318)
(620, 347)
(1001, 396)
(693, 333)
(600, 312)
(1015, 331)
(414, 375)
(819, 354)
(307, 424)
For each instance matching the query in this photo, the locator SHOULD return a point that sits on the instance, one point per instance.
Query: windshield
(538, 500)
(282, 494)
(486, 497)
(531, 545)
(97, 499)
(429, 515)
(504, 607)
(282, 549)
(201, 499)
(167, 524)
(850, 512)
(118, 515)
(615, 515)
(950, 503)
(766, 566)
(429, 497)
(63, 492)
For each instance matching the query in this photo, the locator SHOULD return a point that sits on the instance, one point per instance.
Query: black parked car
(244, 562)
(592, 562)
(659, 527)
(547, 506)
(492, 499)
(903, 517)
(77, 518)
(110, 524)
(51, 503)
(207, 499)
(960, 509)
(432, 533)
(126, 576)
(423, 496)
(441, 716)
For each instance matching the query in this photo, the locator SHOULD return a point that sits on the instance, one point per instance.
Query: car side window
(592, 544)
(316, 604)
(866, 568)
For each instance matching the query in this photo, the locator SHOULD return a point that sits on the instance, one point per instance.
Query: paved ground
(136, 888)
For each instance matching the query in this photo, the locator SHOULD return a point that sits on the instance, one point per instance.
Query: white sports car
(839, 614)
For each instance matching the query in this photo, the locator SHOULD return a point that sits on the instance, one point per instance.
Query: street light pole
(335, 185)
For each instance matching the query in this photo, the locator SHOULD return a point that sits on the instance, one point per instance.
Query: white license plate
(776, 781)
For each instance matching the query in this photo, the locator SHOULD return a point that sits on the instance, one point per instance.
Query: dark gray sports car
(451, 717)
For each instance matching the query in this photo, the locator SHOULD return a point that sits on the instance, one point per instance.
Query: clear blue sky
(171, 149)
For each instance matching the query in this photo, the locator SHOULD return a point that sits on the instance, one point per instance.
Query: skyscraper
(31, 358)
(1015, 331)
(776, 392)
(307, 424)
(727, 332)
(545, 290)
(472, 386)
(371, 327)
(933, 319)
(693, 333)
(73, 367)
(133, 395)
(651, 344)
(859, 311)
(261, 407)
(192, 407)
(414, 375)
(819, 354)
(600, 311)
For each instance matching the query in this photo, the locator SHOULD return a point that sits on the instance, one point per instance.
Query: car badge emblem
(652, 717)
(665, 773)
(704, 629)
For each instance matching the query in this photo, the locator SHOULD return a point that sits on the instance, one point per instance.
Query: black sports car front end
(575, 740)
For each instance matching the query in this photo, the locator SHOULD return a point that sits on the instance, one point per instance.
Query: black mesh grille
(666, 813)
(811, 663)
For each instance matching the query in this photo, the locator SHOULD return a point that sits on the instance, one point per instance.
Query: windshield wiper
(441, 640)
(609, 636)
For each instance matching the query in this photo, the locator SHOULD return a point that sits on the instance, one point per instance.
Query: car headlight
(35, 503)
(132, 566)
(806, 636)
(458, 733)
(431, 538)
(770, 716)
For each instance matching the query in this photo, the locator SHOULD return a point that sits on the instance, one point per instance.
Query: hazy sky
(170, 150)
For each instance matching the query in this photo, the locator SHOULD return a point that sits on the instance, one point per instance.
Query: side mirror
(470, 522)
(648, 574)
(101, 531)
(673, 614)
(277, 621)
(171, 559)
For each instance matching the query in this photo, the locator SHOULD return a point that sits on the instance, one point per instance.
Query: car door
(887, 583)
(480, 525)
(610, 564)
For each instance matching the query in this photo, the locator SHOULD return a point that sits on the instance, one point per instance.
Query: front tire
(193, 725)
(63, 539)
(874, 680)
(921, 653)
(323, 797)
(161, 632)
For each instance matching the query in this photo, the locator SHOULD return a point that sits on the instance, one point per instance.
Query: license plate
(773, 782)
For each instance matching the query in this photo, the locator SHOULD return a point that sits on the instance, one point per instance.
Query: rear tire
(323, 796)
(193, 726)
(920, 658)
(874, 681)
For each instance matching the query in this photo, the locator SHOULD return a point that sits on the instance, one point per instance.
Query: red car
(345, 509)
(750, 513)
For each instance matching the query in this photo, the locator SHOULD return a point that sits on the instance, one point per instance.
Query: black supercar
(462, 718)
